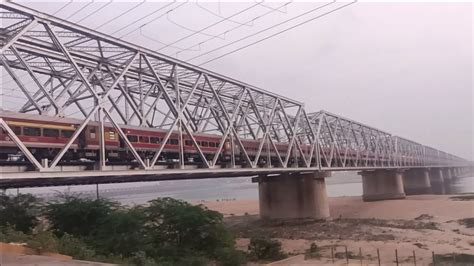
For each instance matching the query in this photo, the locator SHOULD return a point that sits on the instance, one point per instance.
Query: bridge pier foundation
(448, 180)
(416, 182)
(293, 196)
(437, 181)
(382, 185)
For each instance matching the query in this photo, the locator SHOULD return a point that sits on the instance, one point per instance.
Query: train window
(112, 135)
(92, 132)
(212, 144)
(154, 140)
(16, 130)
(32, 131)
(132, 138)
(204, 143)
(67, 133)
(174, 142)
(188, 142)
(144, 139)
(50, 132)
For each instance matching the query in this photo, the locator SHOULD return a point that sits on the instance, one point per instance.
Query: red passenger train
(45, 135)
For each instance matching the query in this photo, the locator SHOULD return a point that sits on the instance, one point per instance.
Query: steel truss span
(91, 106)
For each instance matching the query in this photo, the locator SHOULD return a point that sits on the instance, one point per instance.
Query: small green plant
(264, 248)
(9, 235)
(74, 247)
(312, 252)
(43, 241)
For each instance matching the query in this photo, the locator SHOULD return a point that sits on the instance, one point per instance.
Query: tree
(20, 212)
(177, 228)
(122, 232)
(77, 216)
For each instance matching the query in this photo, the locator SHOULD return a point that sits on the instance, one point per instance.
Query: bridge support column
(382, 185)
(448, 180)
(293, 196)
(417, 182)
(437, 181)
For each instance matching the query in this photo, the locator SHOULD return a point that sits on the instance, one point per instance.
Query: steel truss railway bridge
(65, 70)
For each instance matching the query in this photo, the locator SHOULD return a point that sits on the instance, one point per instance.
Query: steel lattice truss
(80, 73)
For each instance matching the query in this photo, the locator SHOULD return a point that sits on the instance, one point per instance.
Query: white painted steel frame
(100, 78)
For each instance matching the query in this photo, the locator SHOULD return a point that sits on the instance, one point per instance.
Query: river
(340, 184)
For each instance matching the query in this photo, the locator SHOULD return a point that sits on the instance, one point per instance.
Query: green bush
(231, 257)
(20, 212)
(178, 228)
(264, 248)
(43, 241)
(77, 216)
(74, 247)
(9, 235)
(121, 232)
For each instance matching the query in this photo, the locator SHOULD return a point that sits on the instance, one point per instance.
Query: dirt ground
(424, 224)
(13, 259)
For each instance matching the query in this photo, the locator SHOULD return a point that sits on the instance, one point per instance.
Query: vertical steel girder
(95, 77)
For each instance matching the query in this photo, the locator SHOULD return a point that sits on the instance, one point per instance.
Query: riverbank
(423, 223)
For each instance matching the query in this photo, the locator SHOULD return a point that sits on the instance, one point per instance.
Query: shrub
(140, 259)
(9, 235)
(177, 228)
(231, 257)
(121, 232)
(77, 216)
(43, 241)
(74, 247)
(312, 252)
(20, 212)
(264, 248)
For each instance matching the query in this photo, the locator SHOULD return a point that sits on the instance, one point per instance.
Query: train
(44, 136)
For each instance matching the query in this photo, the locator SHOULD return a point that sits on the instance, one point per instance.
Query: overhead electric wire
(218, 15)
(189, 29)
(155, 11)
(278, 33)
(63, 7)
(79, 10)
(160, 42)
(207, 27)
(153, 20)
(234, 28)
(95, 11)
(120, 15)
(269, 7)
(263, 30)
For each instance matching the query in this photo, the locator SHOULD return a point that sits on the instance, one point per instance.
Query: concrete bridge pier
(382, 185)
(437, 181)
(293, 196)
(417, 182)
(448, 180)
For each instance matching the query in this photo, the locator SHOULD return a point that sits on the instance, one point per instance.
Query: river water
(340, 184)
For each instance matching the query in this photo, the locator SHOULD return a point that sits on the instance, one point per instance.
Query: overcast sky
(405, 68)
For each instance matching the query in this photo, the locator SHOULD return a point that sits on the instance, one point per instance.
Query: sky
(406, 68)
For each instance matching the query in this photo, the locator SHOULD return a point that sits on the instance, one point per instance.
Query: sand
(353, 225)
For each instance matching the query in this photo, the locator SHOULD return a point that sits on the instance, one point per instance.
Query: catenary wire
(153, 20)
(278, 33)
(261, 31)
(209, 26)
(234, 28)
(120, 15)
(95, 11)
